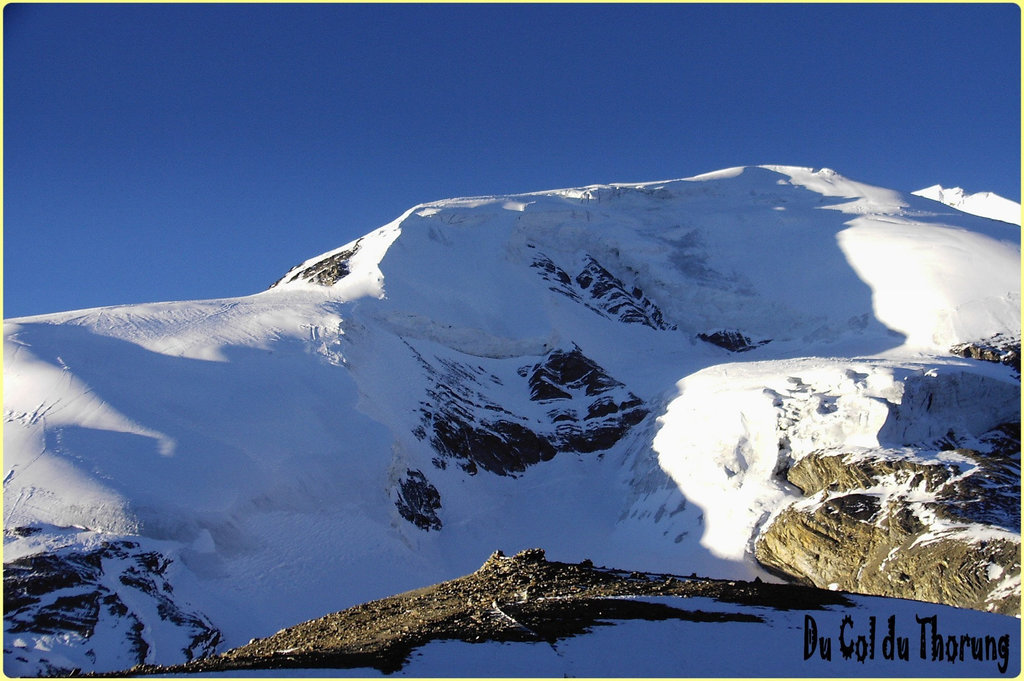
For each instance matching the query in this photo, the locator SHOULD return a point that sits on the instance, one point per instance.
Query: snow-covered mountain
(625, 372)
(985, 204)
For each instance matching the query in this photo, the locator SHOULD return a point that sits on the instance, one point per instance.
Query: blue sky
(172, 152)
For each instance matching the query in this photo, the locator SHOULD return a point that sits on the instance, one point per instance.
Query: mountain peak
(682, 244)
(984, 204)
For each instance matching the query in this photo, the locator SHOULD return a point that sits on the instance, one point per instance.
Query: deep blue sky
(169, 152)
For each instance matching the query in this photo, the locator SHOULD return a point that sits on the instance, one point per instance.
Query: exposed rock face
(942, 527)
(588, 411)
(602, 292)
(418, 501)
(999, 348)
(462, 418)
(115, 588)
(328, 271)
(733, 341)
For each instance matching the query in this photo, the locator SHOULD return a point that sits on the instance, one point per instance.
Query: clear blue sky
(170, 152)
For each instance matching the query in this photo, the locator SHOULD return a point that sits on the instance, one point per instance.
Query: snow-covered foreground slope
(525, 616)
(777, 646)
(611, 371)
(783, 644)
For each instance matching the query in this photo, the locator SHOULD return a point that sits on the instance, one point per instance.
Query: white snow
(926, 279)
(985, 204)
(827, 182)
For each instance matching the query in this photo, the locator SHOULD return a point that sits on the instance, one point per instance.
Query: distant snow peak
(982, 204)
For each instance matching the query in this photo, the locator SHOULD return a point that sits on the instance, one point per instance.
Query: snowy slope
(985, 204)
(773, 647)
(603, 371)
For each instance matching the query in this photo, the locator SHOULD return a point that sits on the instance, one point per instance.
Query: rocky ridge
(325, 272)
(116, 592)
(521, 598)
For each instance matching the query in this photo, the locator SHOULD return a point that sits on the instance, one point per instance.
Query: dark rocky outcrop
(419, 501)
(589, 411)
(604, 293)
(80, 593)
(733, 341)
(942, 528)
(523, 598)
(1000, 348)
(567, 371)
(328, 271)
(500, 446)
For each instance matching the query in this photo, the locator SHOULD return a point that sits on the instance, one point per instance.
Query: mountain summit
(735, 374)
(985, 204)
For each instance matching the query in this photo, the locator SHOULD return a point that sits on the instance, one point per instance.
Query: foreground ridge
(522, 598)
